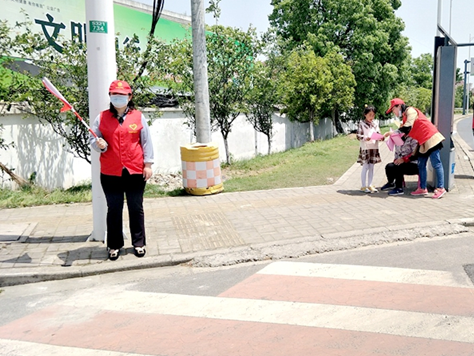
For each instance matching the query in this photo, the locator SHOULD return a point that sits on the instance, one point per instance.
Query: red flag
(66, 106)
(57, 94)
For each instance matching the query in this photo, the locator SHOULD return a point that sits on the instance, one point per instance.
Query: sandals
(139, 251)
(113, 254)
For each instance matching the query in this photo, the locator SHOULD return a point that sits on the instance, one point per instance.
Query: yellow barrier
(201, 169)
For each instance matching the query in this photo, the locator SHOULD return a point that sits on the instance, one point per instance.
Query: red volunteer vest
(124, 148)
(422, 129)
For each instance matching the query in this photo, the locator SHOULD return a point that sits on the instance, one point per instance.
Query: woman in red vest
(416, 125)
(126, 156)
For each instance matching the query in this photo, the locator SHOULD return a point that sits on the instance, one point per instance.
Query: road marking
(24, 348)
(363, 273)
(336, 310)
(393, 322)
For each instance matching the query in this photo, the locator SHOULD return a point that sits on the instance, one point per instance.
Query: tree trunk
(269, 144)
(333, 118)
(227, 153)
(17, 179)
(311, 129)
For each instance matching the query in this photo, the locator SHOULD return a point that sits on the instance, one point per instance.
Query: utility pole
(464, 99)
(101, 71)
(201, 85)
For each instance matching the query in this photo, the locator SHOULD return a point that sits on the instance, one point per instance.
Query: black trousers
(396, 173)
(132, 186)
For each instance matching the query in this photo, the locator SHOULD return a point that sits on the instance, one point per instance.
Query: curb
(254, 253)
(333, 242)
(17, 276)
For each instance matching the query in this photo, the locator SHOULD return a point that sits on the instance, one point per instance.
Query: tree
(341, 97)
(179, 78)
(262, 99)
(68, 72)
(458, 96)
(304, 86)
(365, 32)
(459, 75)
(422, 71)
(231, 54)
(415, 82)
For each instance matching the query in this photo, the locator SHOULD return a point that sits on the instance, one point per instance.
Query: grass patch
(315, 163)
(34, 195)
(155, 191)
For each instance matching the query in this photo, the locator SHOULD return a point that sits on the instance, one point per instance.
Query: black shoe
(388, 186)
(139, 251)
(113, 254)
(396, 191)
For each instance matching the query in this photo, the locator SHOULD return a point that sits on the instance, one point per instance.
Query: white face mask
(119, 101)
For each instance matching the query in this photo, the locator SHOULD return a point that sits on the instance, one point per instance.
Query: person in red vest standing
(126, 157)
(416, 125)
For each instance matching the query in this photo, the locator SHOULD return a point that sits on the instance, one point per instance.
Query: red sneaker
(420, 191)
(438, 193)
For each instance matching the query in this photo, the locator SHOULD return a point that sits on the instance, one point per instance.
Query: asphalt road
(36, 319)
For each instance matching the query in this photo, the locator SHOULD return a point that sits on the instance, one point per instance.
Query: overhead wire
(156, 14)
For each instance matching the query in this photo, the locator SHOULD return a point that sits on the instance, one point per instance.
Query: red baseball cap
(120, 87)
(394, 102)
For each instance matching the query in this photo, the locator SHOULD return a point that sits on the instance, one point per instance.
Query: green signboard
(59, 20)
(97, 26)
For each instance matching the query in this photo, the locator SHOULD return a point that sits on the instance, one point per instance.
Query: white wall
(38, 149)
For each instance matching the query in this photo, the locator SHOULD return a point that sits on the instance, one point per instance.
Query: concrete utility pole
(201, 85)
(101, 71)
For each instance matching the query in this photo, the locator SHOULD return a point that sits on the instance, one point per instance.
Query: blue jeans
(437, 166)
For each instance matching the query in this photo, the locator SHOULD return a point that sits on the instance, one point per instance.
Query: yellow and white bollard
(201, 169)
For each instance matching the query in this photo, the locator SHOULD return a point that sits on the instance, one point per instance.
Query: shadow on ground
(470, 271)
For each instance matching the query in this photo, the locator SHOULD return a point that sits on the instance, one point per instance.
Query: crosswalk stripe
(363, 273)
(393, 322)
(154, 334)
(25, 348)
(381, 295)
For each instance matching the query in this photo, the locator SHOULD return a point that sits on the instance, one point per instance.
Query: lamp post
(464, 99)
(438, 32)
(450, 15)
(469, 78)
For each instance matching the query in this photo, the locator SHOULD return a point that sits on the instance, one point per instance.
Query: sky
(420, 17)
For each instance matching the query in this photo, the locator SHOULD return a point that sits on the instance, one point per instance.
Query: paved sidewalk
(51, 242)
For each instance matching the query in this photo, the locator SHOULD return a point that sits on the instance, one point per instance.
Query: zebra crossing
(287, 308)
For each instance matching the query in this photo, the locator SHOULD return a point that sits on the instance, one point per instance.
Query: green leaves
(68, 72)
(231, 55)
(305, 85)
(365, 33)
(313, 87)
